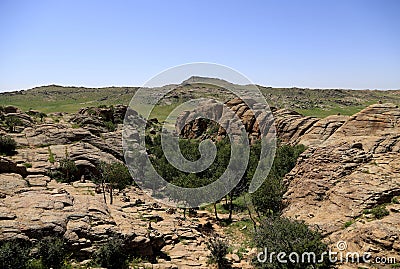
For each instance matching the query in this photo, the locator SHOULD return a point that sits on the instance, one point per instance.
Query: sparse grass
(241, 231)
(348, 223)
(27, 165)
(241, 251)
(322, 113)
(239, 205)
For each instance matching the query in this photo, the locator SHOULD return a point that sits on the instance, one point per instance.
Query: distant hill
(310, 102)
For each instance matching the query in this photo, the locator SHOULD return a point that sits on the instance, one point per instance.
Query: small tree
(12, 122)
(7, 145)
(116, 175)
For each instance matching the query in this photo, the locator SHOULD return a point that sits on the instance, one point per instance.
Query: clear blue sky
(315, 44)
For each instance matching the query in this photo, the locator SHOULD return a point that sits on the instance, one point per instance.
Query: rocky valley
(346, 184)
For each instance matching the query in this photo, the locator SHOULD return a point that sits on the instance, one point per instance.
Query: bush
(277, 234)
(7, 145)
(14, 255)
(219, 250)
(51, 158)
(67, 169)
(112, 255)
(110, 126)
(35, 264)
(52, 252)
(27, 165)
(268, 198)
(379, 212)
(117, 174)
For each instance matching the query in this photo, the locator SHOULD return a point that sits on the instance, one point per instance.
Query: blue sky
(315, 44)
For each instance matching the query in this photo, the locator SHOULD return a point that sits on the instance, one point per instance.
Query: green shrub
(35, 264)
(68, 170)
(110, 126)
(91, 111)
(28, 165)
(379, 211)
(112, 255)
(51, 156)
(7, 145)
(116, 175)
(348, 223)
(52, 252)
(277, 234)
(268, 198)
(14, 255)
(218, 250)
(42, 116)
(395, 200)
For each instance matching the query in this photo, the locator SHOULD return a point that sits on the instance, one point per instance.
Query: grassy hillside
(321, 103)
(55, 98)
(312, 102)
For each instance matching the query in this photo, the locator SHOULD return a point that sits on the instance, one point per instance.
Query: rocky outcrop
(291, 127)
(350, 168)
(98, 119)
(14, 119)
(321, 130)
(36, 206)
(354, 170)
(191, 124)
